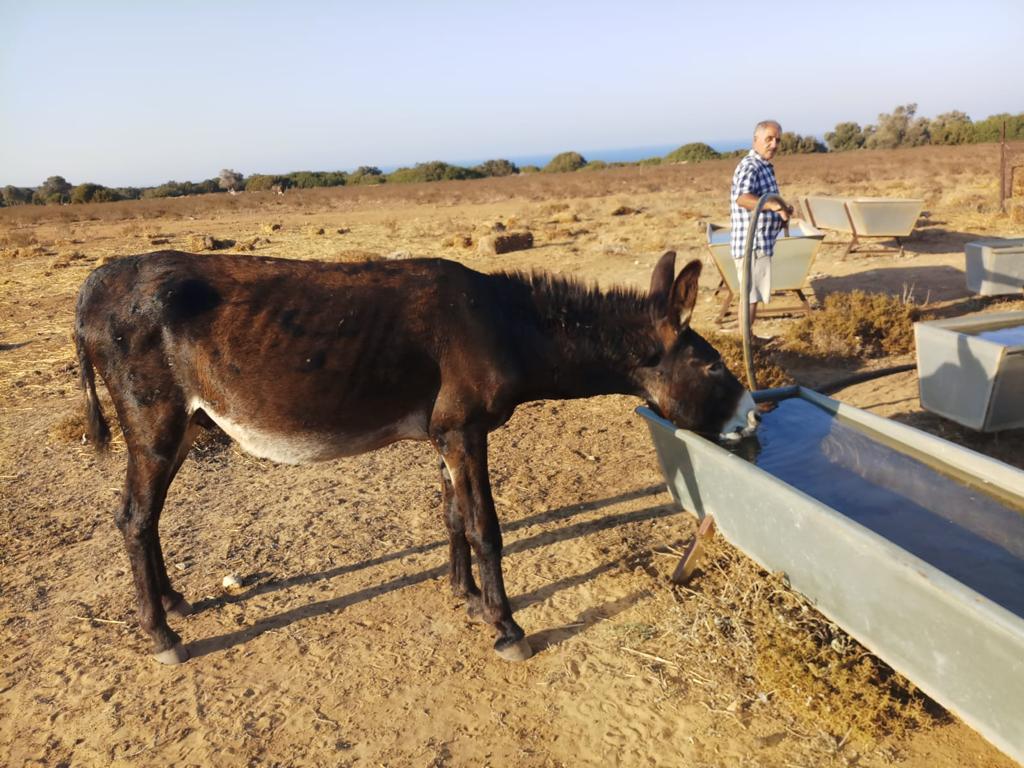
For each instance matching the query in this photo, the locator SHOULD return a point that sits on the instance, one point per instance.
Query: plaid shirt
(755, 175)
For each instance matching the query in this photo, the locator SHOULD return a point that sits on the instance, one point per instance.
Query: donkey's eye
(716, 367)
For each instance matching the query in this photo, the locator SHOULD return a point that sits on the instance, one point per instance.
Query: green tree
(230, 180)
(54, 190)
(951, 128)
(564, 162)
(12, 195)
(898, 129)
(694, 152)
(93, 193)
(989, 129)
(845, 136)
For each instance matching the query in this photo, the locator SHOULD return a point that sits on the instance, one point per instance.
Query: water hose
(748, 357)
(748, 246)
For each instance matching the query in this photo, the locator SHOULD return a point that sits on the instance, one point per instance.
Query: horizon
(121, 95)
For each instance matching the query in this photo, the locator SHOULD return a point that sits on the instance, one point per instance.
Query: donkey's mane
(607, 323)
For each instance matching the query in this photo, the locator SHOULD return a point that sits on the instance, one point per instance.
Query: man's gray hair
(767, 124)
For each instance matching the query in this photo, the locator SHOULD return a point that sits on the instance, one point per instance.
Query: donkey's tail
(97, 429)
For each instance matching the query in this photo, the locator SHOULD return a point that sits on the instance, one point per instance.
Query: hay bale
(505, 243)
(199, 242)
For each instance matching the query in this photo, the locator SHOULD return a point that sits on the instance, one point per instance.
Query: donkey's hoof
(181, 609)
(515, 650)
(176, 654)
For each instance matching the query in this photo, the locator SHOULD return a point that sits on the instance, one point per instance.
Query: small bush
(432, 171)
(692, 153)
(857, 325)
(497, 168)
(565, 162)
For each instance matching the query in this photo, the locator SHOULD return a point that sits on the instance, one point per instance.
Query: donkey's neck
(594, 341)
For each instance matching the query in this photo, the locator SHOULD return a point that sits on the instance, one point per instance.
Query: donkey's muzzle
(743, 422)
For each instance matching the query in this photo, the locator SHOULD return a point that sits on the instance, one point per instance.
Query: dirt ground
(344, 646)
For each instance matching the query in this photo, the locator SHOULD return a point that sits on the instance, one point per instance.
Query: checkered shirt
(755, 175)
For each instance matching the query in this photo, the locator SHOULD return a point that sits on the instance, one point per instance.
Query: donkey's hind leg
(460, 567)
(158, 439)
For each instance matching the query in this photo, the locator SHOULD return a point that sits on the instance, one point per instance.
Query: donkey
(302, 361)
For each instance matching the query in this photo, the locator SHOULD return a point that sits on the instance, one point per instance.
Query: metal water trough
(962, 648)
(884, 217)
(791, 264)
(995, 267)
(971, 369)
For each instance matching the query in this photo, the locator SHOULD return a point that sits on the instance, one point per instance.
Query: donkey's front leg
(464, 453)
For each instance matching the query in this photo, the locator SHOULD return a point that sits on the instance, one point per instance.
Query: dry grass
(741, 642)
(769, 373)
(857, 325)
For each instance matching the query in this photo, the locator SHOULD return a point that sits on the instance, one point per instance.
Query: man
(753, 178)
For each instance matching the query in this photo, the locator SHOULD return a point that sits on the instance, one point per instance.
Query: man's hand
(784, 211)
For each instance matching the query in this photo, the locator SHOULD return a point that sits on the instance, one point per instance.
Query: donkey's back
(298, 361)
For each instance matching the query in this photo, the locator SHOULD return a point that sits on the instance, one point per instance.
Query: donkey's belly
(294, 445)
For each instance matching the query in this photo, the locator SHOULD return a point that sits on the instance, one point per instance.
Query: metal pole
(1002, 168)
(748, 358)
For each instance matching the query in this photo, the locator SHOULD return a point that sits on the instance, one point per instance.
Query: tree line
(899, 128)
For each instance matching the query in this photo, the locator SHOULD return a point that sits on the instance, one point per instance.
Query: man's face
(766, 141)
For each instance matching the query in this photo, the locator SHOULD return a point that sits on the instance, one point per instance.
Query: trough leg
(465, 456)
(460, 567)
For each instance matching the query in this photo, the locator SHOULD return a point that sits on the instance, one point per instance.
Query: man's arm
(749, 200)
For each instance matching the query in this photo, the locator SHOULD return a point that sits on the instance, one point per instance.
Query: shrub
(367, 174)
(694, 152)
(497, 168)
(435, 170)
(857, 324)
(565, 162)
(794, 144)
(595, 165)
(951, 128)
(530, 169)
(845, 136)
(261, 182)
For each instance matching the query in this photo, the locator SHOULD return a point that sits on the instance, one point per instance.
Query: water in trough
(941, 518)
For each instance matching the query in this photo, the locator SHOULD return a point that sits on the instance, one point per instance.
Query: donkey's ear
(672, 303)
(684, 294)
(661, 286)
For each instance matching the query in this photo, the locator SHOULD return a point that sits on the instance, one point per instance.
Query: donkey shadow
(544, 639)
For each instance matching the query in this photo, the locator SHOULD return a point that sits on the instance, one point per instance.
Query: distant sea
(620, 155)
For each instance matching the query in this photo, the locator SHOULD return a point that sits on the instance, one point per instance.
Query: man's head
(767, 135)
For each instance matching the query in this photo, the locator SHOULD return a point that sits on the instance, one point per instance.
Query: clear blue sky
(138, 92)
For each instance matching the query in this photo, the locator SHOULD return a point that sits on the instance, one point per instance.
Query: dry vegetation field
(343, 647)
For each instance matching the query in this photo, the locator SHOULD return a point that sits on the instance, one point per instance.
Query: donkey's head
(688, 383)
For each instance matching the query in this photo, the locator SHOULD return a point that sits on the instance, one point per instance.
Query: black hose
(859, 378)
(748, 357)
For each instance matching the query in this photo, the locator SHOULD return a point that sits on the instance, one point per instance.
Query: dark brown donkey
(303, 361)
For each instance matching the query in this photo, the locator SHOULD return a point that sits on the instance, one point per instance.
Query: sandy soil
(344, 646)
